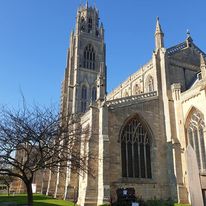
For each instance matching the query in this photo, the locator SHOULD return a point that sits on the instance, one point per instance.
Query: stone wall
(152, 114)
(135, 84)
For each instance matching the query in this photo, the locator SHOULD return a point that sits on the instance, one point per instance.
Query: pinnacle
(101, 72)
(202, 61)
(189, 38)
(158, 27)
(188, 33)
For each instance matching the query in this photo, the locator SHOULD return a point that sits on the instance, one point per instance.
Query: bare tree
(6, 180)
(37, 139)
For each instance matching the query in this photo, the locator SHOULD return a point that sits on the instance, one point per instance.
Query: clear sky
(34, 37)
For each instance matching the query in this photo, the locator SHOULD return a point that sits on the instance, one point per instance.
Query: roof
(179, 47)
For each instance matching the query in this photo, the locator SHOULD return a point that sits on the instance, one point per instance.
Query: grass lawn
(42, 200)
(39, 200)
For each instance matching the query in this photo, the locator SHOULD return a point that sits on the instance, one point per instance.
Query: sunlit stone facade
(141, 133)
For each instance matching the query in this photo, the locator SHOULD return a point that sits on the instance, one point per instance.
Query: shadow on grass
(39, 200)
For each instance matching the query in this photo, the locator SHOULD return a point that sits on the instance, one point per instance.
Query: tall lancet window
(89, 57)
(94, 94)
(84, 99)
(150, 84)
(195, 135)
(135, 150)
(89, 25)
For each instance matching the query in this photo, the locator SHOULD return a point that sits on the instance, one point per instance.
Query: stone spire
(87, 4)
(158, 26)
(159, 35)
(203, 66)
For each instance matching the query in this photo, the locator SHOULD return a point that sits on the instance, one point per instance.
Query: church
(149, 133)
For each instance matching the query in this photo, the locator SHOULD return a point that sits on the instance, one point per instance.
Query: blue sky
(34, 37)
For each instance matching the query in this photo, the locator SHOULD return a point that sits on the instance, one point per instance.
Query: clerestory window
(135, 150)
(136, 89)
(150, 84)
(89, 57)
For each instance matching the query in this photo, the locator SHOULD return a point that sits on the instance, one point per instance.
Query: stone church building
(149, 133)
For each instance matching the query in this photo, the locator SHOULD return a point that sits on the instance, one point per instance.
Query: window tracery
(150, 84)
(89, 57)
(195, 135)
(135, 150)
(136, 89)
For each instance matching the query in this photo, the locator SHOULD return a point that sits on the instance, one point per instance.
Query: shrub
(105, 205)
(168, 202)
(141, 202)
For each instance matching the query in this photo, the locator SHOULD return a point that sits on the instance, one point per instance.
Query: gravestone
(193, 177)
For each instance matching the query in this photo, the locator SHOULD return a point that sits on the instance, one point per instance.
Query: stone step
(91, 191)
(91, 201)
(90, 204)
(91, 198)
(91, 194)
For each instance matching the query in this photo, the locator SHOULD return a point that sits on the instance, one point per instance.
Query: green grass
(39, 200)
(153, 203)
(42, 200)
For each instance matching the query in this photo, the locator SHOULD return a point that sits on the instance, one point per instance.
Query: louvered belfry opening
(135, 150)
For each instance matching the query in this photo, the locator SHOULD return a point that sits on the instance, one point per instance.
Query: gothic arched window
(82, 19)
(89, 25)
(136, 89)
(135, 150)
(195, 135)
(94, 94)
(126, 94)
(84, 99)
(82, 24)
(89, 57)
(150, 84)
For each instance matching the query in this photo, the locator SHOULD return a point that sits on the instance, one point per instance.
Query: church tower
(85, 63)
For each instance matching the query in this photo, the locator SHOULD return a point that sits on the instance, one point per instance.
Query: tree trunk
(42, 181)
(49, 182)
(29, 193)
(8, 190)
